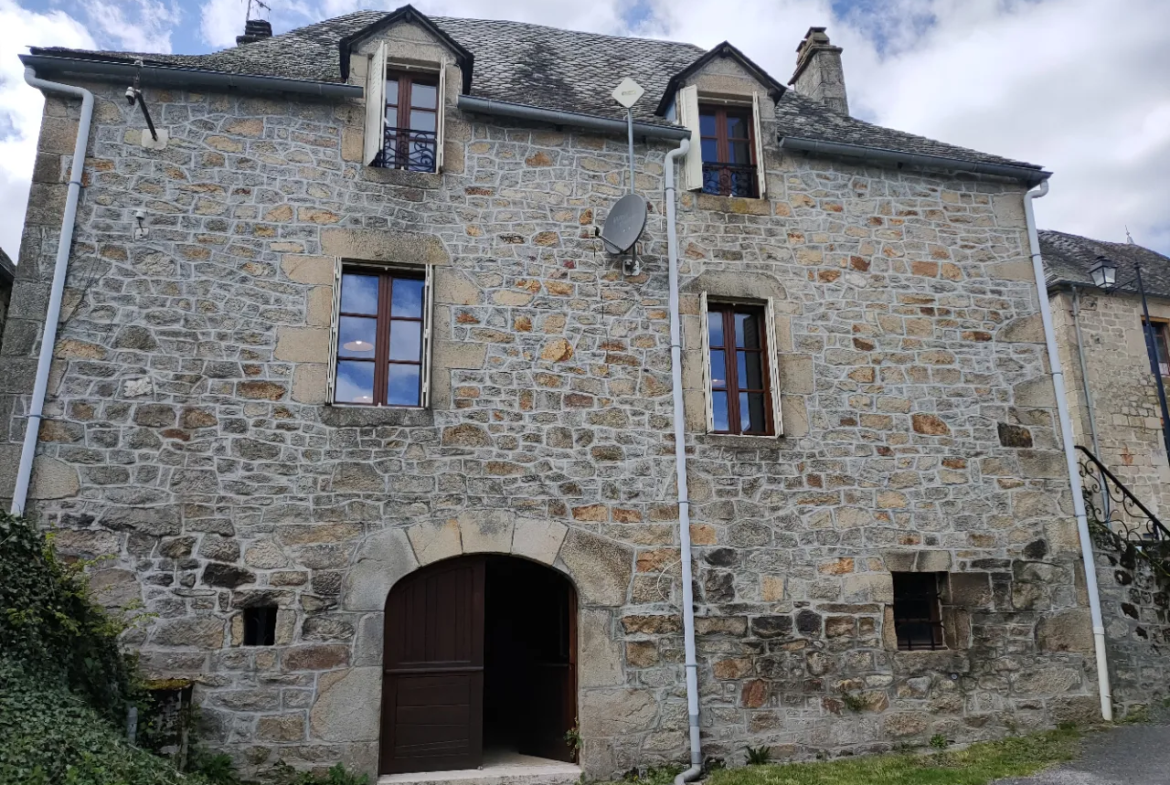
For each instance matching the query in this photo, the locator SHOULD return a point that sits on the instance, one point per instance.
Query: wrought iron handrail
(1099, 482)
(730, 180)
(405, 148)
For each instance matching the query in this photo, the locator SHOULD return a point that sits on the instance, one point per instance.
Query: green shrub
(758, 756)
(49, 624)
(284, 774)
(50, 736)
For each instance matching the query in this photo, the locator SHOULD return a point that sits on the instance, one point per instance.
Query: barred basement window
(918, 610)
(260, 626)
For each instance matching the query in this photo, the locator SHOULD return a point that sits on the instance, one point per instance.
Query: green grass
(976, 765)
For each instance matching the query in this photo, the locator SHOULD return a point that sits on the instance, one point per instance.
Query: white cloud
(134, 25)
(20, 106)
(221, 21)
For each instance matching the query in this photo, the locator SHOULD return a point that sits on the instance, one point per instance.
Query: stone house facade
(192, 432)
(1113, 400)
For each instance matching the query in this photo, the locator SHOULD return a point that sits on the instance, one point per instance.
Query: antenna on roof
(260, 3)
(255, 29)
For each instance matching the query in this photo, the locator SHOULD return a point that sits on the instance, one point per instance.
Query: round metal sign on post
(624, 224)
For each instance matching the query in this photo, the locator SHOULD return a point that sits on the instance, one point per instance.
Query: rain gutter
(175, 76)
(469, 103)
(883, 156)
(36, 407)
(1104, 689)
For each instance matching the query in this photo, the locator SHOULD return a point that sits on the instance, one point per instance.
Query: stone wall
(1129, 435)
(1124, 396)
(1135, 598)
(186, 435)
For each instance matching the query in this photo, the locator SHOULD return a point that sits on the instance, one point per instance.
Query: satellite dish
(624, 224)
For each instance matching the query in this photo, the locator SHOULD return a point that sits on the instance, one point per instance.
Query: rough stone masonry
(187, 437)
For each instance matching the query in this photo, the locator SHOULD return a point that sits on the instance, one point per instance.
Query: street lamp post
(1104, 275)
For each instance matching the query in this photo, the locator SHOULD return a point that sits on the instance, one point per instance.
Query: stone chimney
(818, 71)
(254, 30)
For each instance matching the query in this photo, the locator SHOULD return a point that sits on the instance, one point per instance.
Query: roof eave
(725, 49)
(1031, 175)
(177, 76)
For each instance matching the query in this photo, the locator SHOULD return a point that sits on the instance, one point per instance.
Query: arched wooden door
(432, 685)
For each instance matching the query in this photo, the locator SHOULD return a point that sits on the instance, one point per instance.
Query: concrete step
(499, 768)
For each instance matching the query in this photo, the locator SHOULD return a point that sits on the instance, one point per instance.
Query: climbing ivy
(51, 626)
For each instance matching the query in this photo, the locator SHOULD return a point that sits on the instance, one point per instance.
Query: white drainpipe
(1070, 458)
(680, 464)
(49, 340)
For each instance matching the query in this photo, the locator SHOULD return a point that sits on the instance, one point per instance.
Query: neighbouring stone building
(7, 276)
(874, 463)
(1113, 400)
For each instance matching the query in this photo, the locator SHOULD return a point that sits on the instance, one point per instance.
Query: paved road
(1129, 755)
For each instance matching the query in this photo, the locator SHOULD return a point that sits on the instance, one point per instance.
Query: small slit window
(260, 626)
(918, 610)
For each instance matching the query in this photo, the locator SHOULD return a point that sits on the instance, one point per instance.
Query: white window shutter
(428, 332)
(705, 342)
(688, 115)
(773, 368)
(759, 145)
(375, 105)
(331, 383)
(440, 122)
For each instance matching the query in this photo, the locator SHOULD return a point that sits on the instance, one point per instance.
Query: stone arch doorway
(479, 659)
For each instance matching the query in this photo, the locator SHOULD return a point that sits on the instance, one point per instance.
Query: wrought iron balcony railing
(730, 180)
(1113, 506)
(408, 149)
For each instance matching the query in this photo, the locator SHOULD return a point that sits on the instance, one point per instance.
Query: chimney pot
(254, 30)
(818, 72)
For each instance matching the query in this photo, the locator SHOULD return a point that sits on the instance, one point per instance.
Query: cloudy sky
(1080, 86)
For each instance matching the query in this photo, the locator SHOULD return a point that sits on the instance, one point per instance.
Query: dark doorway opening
(479, 657)
(529, 651)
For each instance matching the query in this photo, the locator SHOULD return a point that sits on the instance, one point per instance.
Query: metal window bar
(918, 614)
(1113, 505)
(730, 180)
(408, 149)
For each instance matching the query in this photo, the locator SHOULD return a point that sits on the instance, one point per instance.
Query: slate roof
(1069, 257)
(7, 268)
(540, 66)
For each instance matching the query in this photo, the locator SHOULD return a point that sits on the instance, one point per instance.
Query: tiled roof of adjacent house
(1069, 257)
(540, 66)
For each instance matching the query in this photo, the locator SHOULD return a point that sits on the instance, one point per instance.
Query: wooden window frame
(1161, 328)
(747, 116)
(384, 319)
(727, 312)
(403, 110)
(931, 591)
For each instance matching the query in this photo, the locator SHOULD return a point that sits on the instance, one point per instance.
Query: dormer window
(411, 125)
(404, 114)
(729, 165)
(727, 144)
